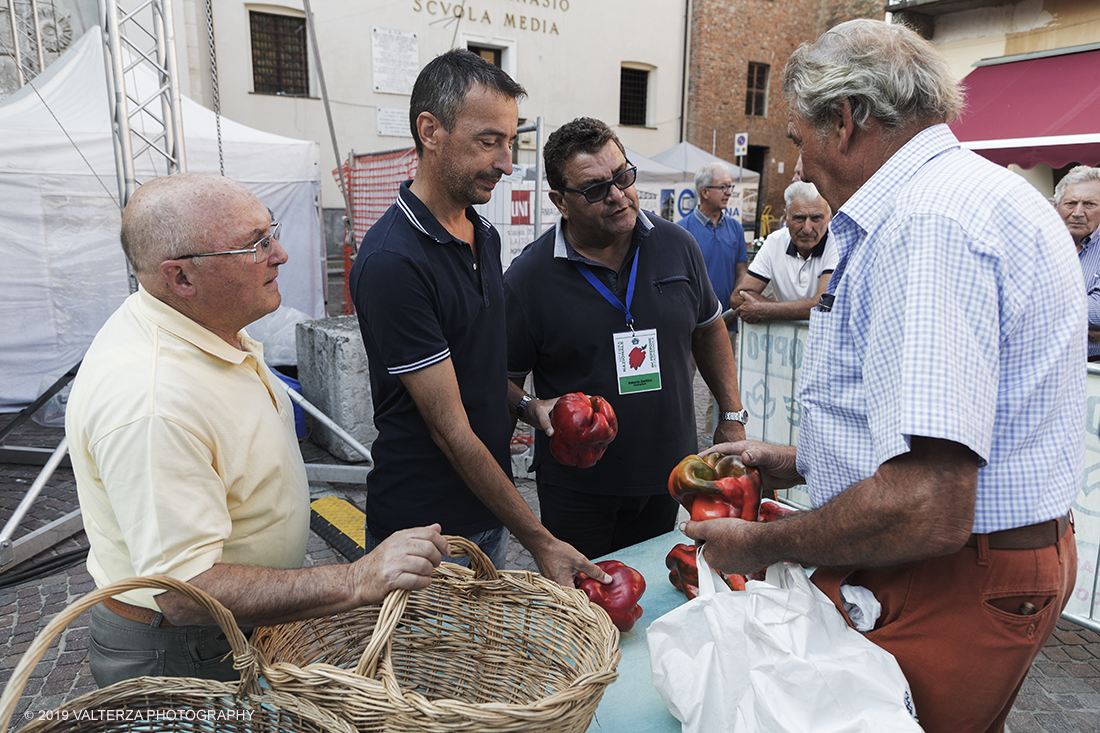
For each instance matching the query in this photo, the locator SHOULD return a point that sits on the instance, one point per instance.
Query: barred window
(633, 90)
(279, 62)
(756, 99)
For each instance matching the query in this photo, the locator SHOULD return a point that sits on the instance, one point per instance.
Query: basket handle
(244, 659)
(479, 562)
(393, 607)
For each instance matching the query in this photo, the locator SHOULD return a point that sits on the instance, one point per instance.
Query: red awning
(1038, 110)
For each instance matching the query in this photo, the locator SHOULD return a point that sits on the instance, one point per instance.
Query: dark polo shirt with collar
(420, 300)
(560, 327)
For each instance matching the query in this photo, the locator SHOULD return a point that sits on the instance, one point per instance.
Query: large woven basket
(478, 650)
(155, 704)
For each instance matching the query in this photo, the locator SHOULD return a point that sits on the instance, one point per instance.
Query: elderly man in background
(1077, 197)
(183, 446)
(721, 239)
(613, 302)
(941, 437)
(795, 260)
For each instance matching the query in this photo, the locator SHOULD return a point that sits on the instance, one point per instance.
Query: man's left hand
(728, 431)
(753, 307)
(539, 412)
(729, 544)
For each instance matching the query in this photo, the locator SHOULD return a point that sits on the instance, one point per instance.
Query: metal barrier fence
(768, 360)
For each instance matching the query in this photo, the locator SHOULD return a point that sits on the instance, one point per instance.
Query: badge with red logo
(637, 363)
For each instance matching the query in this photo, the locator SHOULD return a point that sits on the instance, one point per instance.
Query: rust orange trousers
(966, 627)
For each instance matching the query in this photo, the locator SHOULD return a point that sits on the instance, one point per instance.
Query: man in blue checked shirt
(941, 433)
(1077, 197)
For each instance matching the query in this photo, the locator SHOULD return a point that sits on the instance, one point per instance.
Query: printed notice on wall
(393, 122)
(395, 58)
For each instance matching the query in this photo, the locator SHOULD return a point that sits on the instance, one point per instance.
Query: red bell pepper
(619, 597)
(683, 572)
(770, 511)
(715, 486)
(583, 428)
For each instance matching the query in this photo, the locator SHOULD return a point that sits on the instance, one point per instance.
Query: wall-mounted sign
(395, 60)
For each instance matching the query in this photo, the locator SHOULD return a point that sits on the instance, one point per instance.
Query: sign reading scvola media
(531, 18)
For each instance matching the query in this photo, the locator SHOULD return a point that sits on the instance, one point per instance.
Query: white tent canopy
(650, 171)
(64, 272)
(690, 158)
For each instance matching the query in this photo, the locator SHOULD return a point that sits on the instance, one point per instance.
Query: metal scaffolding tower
(142, 35)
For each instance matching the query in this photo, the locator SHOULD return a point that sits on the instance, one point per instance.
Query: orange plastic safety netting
(371, 180)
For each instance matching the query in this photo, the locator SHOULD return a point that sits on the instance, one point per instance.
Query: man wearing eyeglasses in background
(183, 446)
(613, 302)
(721, 239)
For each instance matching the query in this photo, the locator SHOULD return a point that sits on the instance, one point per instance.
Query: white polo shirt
(184, 452)
(792, 276)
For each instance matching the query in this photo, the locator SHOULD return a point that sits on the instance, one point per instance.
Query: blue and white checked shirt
(940, 328)
(1089, 257)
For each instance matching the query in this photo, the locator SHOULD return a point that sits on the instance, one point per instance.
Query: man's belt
(135, 613)
(1031, 537)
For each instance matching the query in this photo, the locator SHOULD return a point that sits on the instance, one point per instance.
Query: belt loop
(983, 550)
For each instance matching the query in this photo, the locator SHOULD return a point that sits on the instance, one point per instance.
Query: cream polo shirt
(184, 452)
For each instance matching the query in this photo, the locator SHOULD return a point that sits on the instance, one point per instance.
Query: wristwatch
(741, 416)
(521, 407)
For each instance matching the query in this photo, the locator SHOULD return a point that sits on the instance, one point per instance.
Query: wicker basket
(155, 704)
(477, 650)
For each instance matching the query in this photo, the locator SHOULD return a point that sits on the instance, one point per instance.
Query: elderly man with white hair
(795, 260)
(1077, 197)
(941, 410)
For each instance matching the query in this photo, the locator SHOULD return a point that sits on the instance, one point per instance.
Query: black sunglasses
(597, 192)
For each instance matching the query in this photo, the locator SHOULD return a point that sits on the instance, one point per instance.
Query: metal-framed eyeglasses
(260, 251)
(725, 188)
(597, 192)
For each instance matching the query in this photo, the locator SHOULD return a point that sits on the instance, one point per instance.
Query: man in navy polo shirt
(428, 292)
(614, 302)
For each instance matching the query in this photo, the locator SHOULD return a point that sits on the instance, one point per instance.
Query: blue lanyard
(609, 296)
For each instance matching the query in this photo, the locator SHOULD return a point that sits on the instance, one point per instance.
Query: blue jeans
(493, 542)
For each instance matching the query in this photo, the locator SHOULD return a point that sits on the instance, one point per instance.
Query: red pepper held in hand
(683, 572)
(716, 486)
(770, 511)
(619, 597)
(583, 427)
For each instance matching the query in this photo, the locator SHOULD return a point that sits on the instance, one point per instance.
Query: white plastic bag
(777, 656)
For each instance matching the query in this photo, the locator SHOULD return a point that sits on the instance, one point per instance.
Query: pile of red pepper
(583, 427)
(716, 486)
(619, 597)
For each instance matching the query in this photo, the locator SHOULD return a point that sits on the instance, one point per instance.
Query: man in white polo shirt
(796, 260)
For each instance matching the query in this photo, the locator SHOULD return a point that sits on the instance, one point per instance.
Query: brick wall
(726, 35)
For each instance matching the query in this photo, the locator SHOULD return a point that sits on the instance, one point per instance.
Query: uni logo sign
(521, 207)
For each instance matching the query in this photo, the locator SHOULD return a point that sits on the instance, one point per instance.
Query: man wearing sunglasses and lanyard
(184, 451)
(614, 302)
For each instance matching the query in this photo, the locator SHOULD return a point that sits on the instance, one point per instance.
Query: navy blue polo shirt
(421, 299)
(723, 247)
(560, 327)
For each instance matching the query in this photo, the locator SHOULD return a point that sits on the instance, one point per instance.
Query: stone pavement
(1061, 694)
